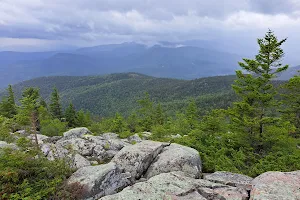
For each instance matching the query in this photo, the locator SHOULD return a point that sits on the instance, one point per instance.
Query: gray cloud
(91, 22)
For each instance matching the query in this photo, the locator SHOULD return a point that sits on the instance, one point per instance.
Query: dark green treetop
(55, 106)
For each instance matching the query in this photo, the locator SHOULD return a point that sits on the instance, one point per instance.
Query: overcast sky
(50, 24)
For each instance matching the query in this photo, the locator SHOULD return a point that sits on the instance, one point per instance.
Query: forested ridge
(106, 95)
(251, 129)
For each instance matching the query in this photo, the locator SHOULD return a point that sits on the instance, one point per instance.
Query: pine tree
(159, 115)
(146, 112)
(55, 106)
(30, 104)
(83, 118)
(43, 103)
(292, 103)
(252, 114)
(118, 123)
(8, 106)
(191, 114)
(132, 122)
(71, 116)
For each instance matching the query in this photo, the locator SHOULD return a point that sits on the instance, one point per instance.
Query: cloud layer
(91, 22)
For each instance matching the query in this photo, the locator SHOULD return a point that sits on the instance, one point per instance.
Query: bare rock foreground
(110, 168)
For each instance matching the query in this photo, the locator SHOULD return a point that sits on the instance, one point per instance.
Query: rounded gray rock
(176, 158)
(276, 186)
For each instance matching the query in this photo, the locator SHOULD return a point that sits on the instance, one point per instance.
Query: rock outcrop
(276, 186)
(80, 142)
(79, 161)
(7, 145)
(136, 159)
(76, 133)
(175, 185)
(100, 180)
(176, 158)
(134, 139)
(136, 168)
(232, 179)
(40, 138)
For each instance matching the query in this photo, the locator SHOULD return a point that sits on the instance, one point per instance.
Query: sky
(40, 25)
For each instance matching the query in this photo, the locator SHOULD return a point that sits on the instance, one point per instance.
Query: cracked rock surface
(175, 185)
(176, 158)
(100, 180)
(232, 179)
(136, 159)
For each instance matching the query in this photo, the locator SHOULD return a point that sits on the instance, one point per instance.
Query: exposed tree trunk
(34, 121)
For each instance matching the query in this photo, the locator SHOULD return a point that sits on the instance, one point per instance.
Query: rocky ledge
(110, 168)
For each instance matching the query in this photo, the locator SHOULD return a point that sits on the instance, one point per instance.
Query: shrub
(53, 127)
(28, 175)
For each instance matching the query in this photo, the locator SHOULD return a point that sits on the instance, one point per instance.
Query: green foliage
(291, 111)
(71, 116)
(53, 127)
(105, 125)
(254, 112)
(5, 129)
(83, 119)
(179, 124)
(192, 114)
(109, 94)
(146, 112)
(43, 103)
(132, 123)
(8, 106)
(125, 134)
(23, 176)
(55, 106)
(159, 115)
(29, 106)
(118, 124)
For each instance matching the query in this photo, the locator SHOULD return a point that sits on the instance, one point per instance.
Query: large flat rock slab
(100, 180)
(175, 185)
(232, 179)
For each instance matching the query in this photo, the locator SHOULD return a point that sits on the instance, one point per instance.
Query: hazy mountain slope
(289, 73)
(180, 62)
(8, 57)
(106, 95)
(185, 62)
(119, 50)
(57, 64)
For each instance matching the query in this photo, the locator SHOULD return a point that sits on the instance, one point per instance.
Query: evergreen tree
(159, 115)
(191, 114)
(132, 121)
(29, 112)
(55, 106)
(8, 106)
(83, 119)
(43, 103)
(118, 123)
(252, 114)
(292, 103)
(30, 100)
(146, 112)
(71, 116)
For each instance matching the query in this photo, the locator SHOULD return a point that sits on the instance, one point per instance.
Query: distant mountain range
(187, 60)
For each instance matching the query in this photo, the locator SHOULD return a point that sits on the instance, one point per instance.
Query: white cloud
(82, 22)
